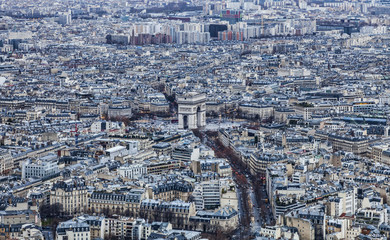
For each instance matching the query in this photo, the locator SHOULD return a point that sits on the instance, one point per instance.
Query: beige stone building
(177, 212)
(170, 191)
(6, 162)
(72, 194)
(256, 111)
(109, 203)
(304, 226)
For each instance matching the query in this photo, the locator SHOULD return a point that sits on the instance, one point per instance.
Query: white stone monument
(192, 110)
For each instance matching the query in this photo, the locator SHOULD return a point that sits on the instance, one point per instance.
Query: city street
(257, 212)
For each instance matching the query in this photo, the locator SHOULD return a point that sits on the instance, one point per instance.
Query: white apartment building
(73, 230)
(207, 195)
(117, 151)
(133, 171)
(39, 169)
(103, 126)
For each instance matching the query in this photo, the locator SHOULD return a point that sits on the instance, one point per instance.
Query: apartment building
(73, 230)
(39, 169)
(116, 203)
(6, 161)
(72, 194)
(171, 190)
(354, 144)
(133, 171)
(176, 212)
(121, 227)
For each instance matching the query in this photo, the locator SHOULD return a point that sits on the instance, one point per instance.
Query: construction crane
(76, 136)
